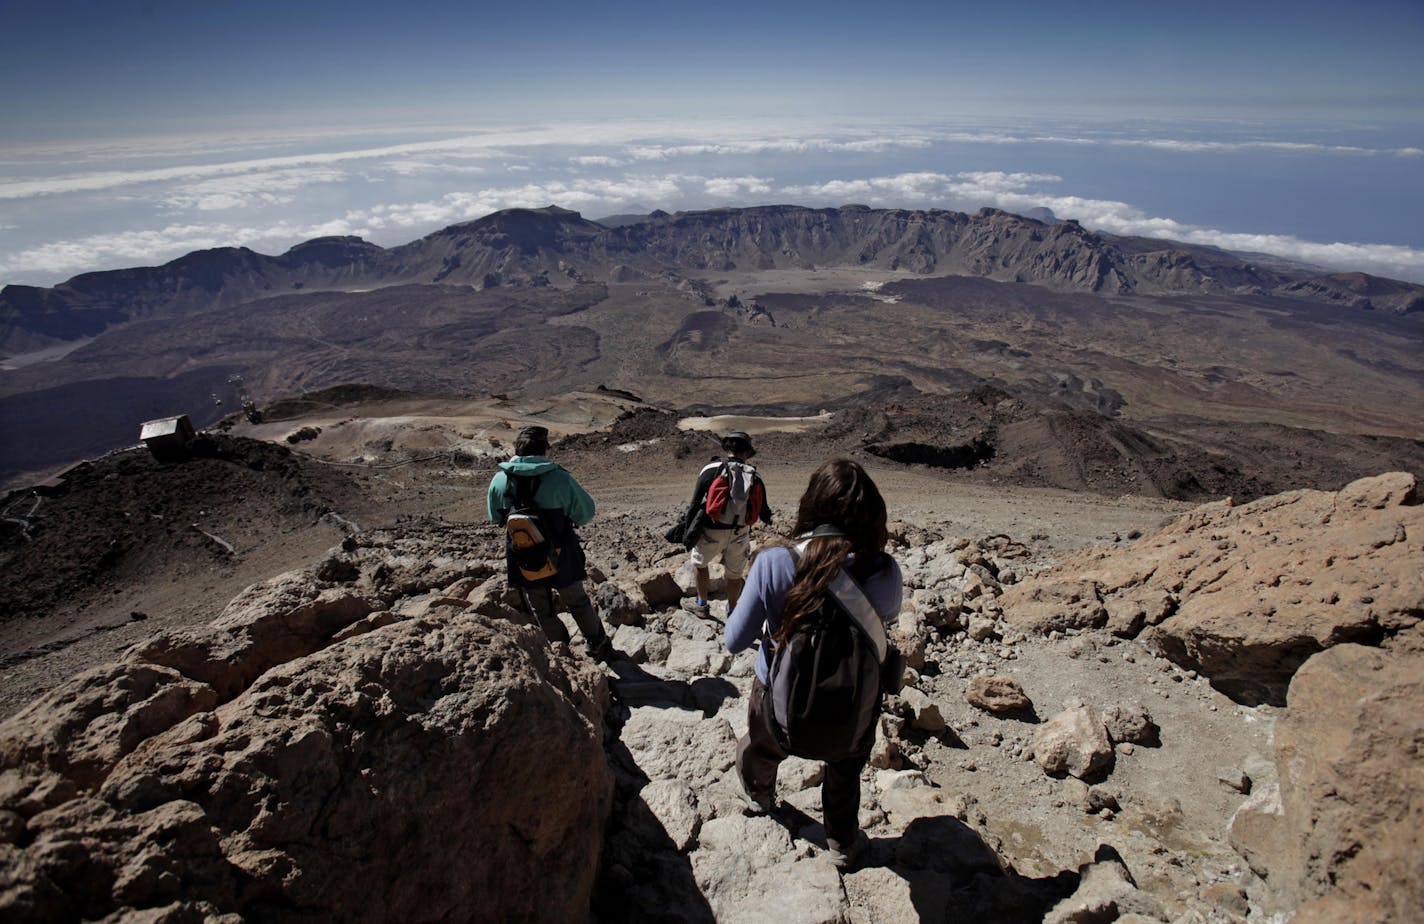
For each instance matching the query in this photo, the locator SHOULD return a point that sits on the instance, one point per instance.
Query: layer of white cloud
(271, 187)
(274, 197)
(736, 187)
(1183, 145)
(429, 167)
(1011, 191)
(727, 139)
(1019, 192)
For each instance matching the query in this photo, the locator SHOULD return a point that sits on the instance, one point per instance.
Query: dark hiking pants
(758, 756)
(540, 603)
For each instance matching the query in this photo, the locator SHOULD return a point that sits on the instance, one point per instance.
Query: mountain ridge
(555, 246)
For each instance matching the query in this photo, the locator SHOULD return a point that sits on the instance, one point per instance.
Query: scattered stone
(671, 807)
(659, 589)
(633, 642)
(885, 754)
(1227, 898)
(981, 628)
(615, 607)
(698, 658)
(997, 694)
(797, 774)
(924, 713)
(1102, 797)
(657, 647)
(1042, 606)
(1234, 778)
(1106, 892)
(1130, 723)
(1074, 741)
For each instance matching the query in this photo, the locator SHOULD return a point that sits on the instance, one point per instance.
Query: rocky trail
(380, 735)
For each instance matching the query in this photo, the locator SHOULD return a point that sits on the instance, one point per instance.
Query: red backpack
(735, 497)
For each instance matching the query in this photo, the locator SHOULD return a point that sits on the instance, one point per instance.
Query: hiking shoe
(846, 858)
(701, 610)
(760, 803)
(604, 651)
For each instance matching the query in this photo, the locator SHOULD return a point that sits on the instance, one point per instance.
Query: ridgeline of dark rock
(87, 304)
(533, 246)
(128, 519)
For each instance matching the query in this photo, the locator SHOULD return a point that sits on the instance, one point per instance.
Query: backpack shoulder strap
(523, 488)
(850, 596)
(857, 605)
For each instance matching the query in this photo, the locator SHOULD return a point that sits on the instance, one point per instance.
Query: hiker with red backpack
(818, 605)
(539, 503)
(728, 499)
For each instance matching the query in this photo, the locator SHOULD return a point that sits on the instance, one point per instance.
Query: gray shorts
(732, 546)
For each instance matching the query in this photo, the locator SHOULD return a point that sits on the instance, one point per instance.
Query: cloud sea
(1344, 199)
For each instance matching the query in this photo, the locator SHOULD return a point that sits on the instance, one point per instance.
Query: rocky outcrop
(1360, 291)
(1341, 835)
(316, 753)
(1245, 595)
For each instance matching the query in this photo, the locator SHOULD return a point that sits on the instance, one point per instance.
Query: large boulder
(283, 764)
(1246, 594)
(1074, 741)
(1343, 838)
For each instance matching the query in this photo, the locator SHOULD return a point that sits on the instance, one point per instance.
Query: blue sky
(135, 132)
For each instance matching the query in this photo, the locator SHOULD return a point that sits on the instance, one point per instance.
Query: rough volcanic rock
(1343, 837)
(997, 694)
(1130, 723)
(282, 764)
(1107, 892)
(1246, 594)
(1074, 741)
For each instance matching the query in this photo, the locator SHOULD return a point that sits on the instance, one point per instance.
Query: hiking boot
(760, 803)
(845, 858)
(699, 608)
(604, 651)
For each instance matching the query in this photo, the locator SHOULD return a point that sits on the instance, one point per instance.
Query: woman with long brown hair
(840, 523)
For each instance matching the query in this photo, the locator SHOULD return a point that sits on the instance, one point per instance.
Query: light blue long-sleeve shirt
(757, 615)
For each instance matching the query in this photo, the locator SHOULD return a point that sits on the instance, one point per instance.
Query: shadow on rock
(645, 874)
(634, 686)
(1027, 714)
(948, 865)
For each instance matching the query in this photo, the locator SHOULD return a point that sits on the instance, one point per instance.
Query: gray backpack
(823, 689)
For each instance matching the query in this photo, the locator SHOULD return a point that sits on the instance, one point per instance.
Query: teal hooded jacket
(557, 490)
(563, 505)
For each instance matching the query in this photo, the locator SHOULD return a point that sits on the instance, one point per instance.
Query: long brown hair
(840, 495)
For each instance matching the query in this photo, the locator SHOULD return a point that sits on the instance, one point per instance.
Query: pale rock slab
(679, 744)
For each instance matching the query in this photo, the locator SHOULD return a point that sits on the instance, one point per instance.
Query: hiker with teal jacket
(531, 484)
